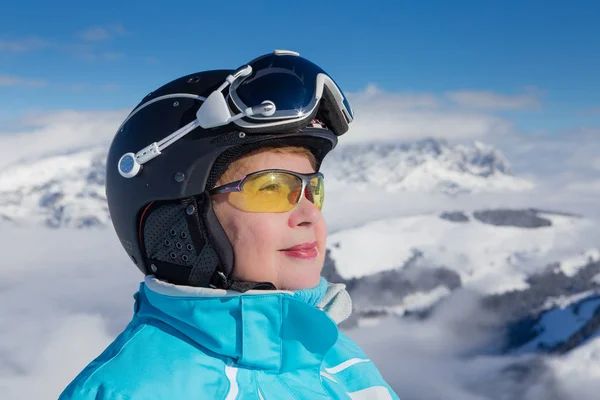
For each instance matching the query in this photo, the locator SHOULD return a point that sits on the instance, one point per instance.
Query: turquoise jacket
(188, 343)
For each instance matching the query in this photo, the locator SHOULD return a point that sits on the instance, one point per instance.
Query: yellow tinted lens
(268, 192)
(318, 191)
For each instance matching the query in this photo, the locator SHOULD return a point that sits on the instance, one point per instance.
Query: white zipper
(231, 373)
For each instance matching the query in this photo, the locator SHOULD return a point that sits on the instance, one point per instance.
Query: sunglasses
(273, 190)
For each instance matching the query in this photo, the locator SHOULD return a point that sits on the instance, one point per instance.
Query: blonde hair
(230, 171)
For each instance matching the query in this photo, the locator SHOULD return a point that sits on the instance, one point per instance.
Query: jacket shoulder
(147, 361)
(348, 365)
(79, 388)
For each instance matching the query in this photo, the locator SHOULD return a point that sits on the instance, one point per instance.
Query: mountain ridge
(66, 188)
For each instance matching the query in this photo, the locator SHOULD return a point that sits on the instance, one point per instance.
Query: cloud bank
(65, 295)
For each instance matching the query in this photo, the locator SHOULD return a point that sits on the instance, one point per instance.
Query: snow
(426, 165)
(68, 186)
(565, 301)
(490, 259)
(383, 208)
(572, 265)
(58, 167)
(421, 300)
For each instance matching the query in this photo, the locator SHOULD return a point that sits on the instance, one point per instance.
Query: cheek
(255, 246)
(321, 234)
(255, 236)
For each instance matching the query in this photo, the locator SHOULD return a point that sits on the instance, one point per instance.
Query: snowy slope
(487, 257)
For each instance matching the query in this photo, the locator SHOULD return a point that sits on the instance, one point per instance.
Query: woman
(217, 200)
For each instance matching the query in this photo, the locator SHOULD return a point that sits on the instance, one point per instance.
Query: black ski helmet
(177, 142)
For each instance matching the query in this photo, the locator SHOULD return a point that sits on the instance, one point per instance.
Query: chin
(301, 282)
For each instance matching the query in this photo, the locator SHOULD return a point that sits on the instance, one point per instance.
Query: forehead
(268, 160)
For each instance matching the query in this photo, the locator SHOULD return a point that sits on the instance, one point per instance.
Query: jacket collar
(261, 329)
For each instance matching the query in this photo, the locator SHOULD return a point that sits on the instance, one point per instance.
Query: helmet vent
(165, 222)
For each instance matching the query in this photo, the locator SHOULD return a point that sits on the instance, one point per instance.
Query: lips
(303, 251)
(303, 246)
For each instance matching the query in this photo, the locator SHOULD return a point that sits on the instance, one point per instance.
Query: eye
(273, 187)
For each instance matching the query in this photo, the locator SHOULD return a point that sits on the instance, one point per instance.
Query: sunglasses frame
(238, 186)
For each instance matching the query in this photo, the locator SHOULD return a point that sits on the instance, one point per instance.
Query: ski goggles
(273, 190)
(276, 91)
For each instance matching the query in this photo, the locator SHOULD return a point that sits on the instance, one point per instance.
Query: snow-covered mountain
(68, 189)
(525, 265)
(537, 270)
(425, 165)
(58, 190)
(413, 263)
(492, 251)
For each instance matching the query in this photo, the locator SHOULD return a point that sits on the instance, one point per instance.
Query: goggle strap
(329, 112)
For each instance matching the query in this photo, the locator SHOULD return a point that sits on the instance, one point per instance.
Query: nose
(293, 195)
(305, 212)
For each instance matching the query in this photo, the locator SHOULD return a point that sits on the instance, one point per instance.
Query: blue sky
(107, 55)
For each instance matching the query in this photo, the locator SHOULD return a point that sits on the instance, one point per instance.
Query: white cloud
(392, 116)
(409, 101)
(23, 44)
(43, 133)
(8, 80)
(109, 87)
(553, 154)
(95, 34)
(380, 116)
(91, 54)
(579, 371)
(85, 50)
(590, 111)
(104, 87)
(76, 340)
(488, 100)
(582, 187)
(54, 296)
(110, 56)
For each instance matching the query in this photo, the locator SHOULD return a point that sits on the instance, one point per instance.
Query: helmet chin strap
(200, 213)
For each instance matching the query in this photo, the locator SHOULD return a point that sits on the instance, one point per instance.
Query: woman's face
(259, 239)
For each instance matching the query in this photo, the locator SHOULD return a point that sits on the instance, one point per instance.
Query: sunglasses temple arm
(227, 188)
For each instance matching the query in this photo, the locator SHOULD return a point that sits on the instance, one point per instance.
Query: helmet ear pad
(195, 249)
